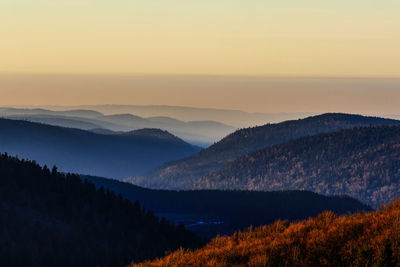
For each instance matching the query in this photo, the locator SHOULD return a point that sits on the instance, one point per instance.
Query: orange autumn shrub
(364, 239)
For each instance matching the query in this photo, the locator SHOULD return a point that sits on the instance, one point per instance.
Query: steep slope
(363, 163)
(213, 212)
(85, 152)
(52, 219)
(370, 239)
(184, 173)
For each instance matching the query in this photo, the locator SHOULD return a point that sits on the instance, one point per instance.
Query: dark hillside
(51, 219)
(223, 212)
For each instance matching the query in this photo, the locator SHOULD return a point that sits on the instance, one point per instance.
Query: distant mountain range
(236, 118)
(73, 150)
(363, 163)
(201, 133)
(213, 212)
(185, 173)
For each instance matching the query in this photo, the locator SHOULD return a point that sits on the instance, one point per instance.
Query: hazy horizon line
(111, 74)
(157, 105)
(311, 113)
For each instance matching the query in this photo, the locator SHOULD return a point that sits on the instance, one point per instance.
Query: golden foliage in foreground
(369, 239)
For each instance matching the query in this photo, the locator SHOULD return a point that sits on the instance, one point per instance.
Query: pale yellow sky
(235, 37)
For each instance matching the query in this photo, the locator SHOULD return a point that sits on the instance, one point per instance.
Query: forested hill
(363, 163)
(366, 239)
(232, 209)
(84, 152)
(183, 173)
(51, 219)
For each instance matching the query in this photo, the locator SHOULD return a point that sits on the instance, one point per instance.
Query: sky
(253, 55)
(212, 37)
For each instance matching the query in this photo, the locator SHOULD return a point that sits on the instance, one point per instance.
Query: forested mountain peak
(183, 173)
(362, 162)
